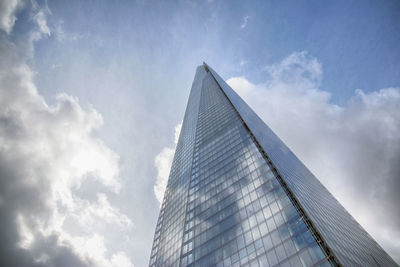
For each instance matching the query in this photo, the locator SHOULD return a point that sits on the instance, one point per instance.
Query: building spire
(205, 66)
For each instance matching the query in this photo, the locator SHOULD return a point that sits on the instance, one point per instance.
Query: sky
(93, 93)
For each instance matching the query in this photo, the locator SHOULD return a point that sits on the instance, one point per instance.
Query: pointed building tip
(205, 66)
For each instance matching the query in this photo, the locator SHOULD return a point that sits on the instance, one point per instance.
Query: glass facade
(229, 203)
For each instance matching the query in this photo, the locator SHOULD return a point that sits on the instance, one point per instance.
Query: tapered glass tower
(237, 196)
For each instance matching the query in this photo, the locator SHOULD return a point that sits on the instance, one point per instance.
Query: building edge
(303, 214)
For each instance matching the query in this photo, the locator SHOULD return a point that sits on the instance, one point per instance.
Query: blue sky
(356, 42)
(124, 70)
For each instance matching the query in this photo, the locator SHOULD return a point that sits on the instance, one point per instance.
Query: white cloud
(47, 153)
(242, 63)
(120, 260)
(163, 162)
(8, 9)
(39, 17)
(245, 20)
(353, 149)
(242, 86)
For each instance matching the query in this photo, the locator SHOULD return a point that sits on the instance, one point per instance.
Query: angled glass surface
(225, 204)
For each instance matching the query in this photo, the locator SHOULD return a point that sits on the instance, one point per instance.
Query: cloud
(48, 154)
(8, 10)
(353, 149)
(244, 24)
(163, 162)
(39, 18)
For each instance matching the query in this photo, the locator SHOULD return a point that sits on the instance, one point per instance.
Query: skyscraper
(237, 196)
